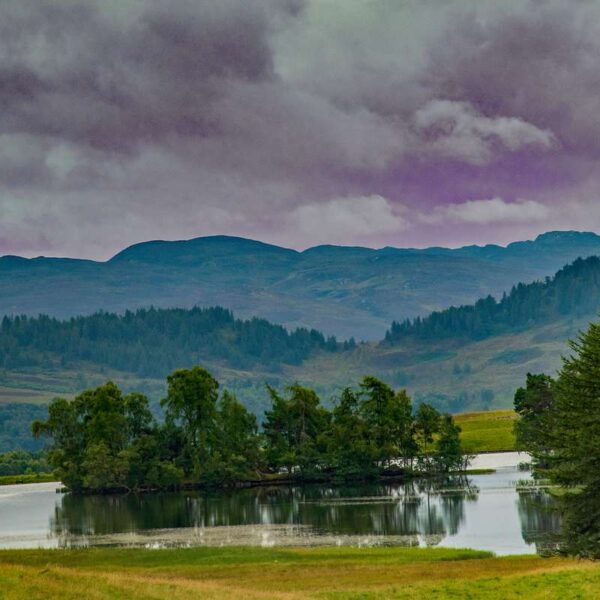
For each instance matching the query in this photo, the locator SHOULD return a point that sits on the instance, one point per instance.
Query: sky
(296, 122)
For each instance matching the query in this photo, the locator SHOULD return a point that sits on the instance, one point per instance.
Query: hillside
(344, 291)
(574, 291)
(154, 342)
(473, 357)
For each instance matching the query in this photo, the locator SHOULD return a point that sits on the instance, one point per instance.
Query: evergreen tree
(575, 415)
(295, 430)
(561, 428)
(348, 443)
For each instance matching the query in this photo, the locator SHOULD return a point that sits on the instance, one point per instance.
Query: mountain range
(343, 291)
(468, 357)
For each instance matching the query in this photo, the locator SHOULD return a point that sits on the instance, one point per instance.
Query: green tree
(377, 409)
(348, 442)
(574, 416)
(191, 403)
(295, 430)
(403, 427)
(67, 451)
(427, 424)
(535, 405)
(561, 424)
(448, 452)
(237, 454)
(93, 436)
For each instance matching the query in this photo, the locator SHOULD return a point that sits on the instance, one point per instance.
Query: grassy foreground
(331, 573)
(487, 431)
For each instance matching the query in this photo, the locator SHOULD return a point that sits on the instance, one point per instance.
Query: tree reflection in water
(540, 519)
(430, 509)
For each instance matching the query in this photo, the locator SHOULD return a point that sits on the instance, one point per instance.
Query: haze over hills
(344, 291)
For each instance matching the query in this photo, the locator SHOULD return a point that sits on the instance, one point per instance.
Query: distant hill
(344, 291)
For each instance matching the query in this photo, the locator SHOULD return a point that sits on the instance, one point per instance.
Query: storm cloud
(296, 122)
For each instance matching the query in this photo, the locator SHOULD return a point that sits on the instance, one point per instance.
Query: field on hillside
(453, 376)
(491, 431)
(331, 573)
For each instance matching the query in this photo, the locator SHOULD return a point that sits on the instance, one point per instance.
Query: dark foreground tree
(561, 426)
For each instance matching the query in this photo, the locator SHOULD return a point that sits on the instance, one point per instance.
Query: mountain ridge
(341, 290)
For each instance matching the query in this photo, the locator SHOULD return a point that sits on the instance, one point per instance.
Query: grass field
(487, 431)
(332, 573)
(29, 478)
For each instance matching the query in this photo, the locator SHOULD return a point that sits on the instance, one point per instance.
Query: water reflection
(483, 511)
(540, 519)
(429, 508)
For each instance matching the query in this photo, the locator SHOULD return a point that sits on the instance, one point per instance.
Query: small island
(105, 441)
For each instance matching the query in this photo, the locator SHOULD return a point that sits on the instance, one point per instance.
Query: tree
(560, 426)
(535, 406)
(104, 440)
(574, 416)
(403, 427)
(377, 408)
(95, 438)
(67, 432)
(238, 449)
(295, 430)
(191, 403)
(348, 443)
(448, 453)
(427, 423)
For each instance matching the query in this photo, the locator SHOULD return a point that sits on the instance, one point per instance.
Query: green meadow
(328, 573)
(490, 431)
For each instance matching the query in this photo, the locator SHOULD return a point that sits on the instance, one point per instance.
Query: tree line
(105, 440)
(20, 462)
(152, 342)
(574, 290)
(559, 426)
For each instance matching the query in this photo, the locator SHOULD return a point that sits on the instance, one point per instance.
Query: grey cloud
(455, 129)
(535, 60)
(76, 71)
(157, 118)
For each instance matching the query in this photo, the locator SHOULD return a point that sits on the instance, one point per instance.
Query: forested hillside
(574, 291)
(152, 342)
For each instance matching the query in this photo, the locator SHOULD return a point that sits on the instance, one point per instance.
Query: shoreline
(483, 463)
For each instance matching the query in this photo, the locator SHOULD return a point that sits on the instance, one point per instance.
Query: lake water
(482, 511)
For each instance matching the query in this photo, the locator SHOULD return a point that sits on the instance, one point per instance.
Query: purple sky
(371, 122)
